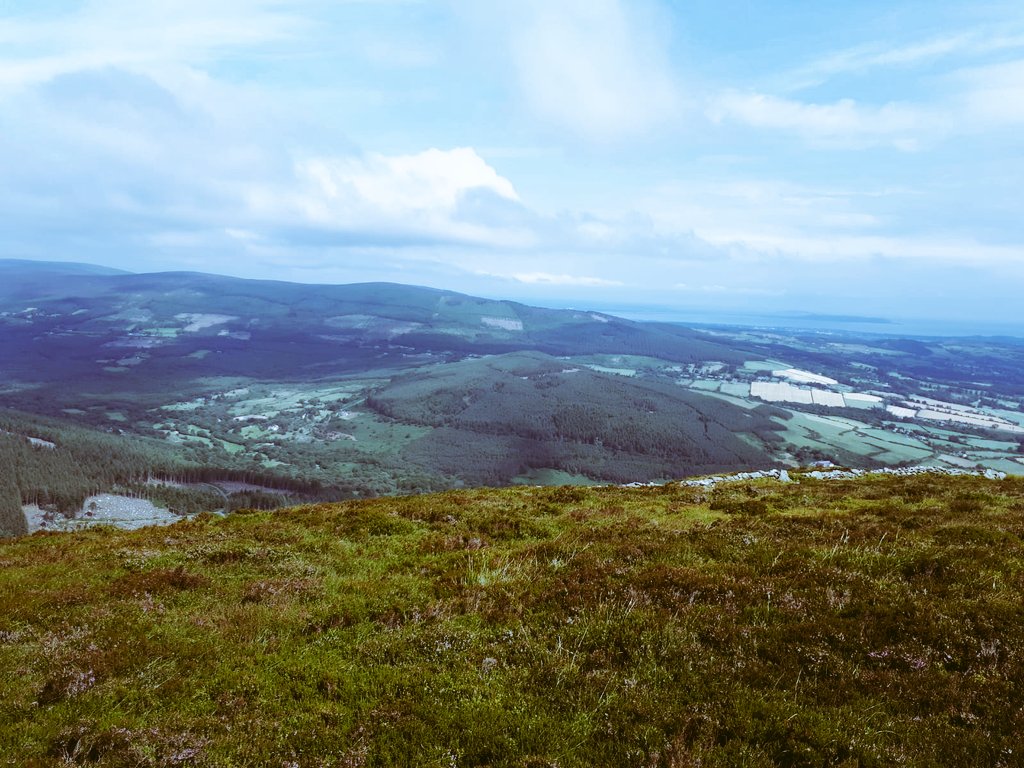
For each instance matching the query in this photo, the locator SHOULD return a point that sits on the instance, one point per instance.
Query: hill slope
(870, 622)
(75, 323)
(493, 418)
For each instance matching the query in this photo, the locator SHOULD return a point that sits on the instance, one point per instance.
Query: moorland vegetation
(868, 622)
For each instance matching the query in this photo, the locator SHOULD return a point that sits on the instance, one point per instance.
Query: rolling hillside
(181, 325)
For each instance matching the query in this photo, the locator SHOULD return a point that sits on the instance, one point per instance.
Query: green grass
(552, 477)
(861, 623)
(887, 436)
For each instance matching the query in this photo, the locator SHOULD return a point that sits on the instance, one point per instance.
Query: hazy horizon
(824, 323)
(715, 160)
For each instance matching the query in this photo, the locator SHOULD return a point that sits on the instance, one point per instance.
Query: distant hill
(25, 279)
(30, 267)
(68, 314)
(873, 622)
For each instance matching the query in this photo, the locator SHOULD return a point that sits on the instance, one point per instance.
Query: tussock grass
(873, 622)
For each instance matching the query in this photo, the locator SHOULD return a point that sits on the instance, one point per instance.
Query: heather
(866, 622)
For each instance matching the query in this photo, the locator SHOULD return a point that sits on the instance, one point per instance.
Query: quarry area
(101, 509)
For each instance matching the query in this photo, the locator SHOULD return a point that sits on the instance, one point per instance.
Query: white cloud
(433, 180)
(733, 290)
(967, 96)
(716, 210)
(823, 249)
(758, 221)
(421, 195)
(842, 123)
(861, 59)
(993, 95)
(867, 57)
(599, 69)
(146, 36)
(977, 99)
(545, 278)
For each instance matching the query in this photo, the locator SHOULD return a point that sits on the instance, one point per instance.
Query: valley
(329, 392)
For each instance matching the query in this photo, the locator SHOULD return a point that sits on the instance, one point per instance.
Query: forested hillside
(539, 411)
(57, 466)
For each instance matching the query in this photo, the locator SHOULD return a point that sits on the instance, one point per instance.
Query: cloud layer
(558, 150)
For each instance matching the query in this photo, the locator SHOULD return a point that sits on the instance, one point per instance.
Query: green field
(551, 477)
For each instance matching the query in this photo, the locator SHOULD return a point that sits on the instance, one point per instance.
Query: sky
(694, 157)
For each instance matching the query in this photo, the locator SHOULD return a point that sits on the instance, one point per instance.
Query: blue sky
(849, 157)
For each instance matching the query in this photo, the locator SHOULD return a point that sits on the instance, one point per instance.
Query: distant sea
(851, 324)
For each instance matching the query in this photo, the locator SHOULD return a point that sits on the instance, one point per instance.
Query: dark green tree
(12, 519)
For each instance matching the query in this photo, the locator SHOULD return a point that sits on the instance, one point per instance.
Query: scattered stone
(783, 476)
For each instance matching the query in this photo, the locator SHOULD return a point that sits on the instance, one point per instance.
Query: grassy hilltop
(872, 622)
